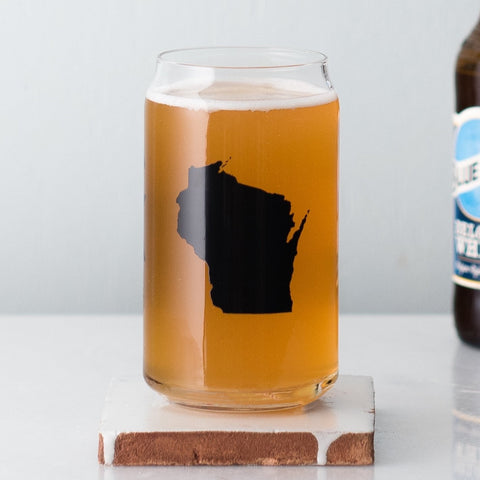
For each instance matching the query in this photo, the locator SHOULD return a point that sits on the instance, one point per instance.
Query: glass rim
(310, 57)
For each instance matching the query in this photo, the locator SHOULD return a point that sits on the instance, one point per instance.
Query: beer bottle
(467, 191)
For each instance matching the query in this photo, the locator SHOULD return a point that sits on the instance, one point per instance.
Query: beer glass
(240, 285)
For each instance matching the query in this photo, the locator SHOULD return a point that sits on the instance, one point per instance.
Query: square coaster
(141, 427)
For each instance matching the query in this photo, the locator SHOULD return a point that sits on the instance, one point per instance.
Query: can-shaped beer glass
(240, 284)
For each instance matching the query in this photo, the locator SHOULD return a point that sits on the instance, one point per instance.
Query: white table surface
(56, 370)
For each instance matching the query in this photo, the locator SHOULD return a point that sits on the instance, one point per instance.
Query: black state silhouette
(241, 232)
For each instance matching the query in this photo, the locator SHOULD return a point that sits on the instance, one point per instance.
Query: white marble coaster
(141, 427)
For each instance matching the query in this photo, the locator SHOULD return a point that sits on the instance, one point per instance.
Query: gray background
(72, 83)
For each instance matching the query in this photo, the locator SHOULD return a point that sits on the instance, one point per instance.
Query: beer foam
(258, 95)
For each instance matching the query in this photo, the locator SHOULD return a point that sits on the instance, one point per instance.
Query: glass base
(244, 401)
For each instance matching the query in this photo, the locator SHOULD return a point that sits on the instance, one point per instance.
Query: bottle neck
(467, 73)
(475, 33)
(469, 55)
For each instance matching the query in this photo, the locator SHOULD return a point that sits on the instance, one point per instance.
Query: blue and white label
(466, 191)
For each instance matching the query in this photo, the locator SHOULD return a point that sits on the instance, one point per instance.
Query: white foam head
(259, 95)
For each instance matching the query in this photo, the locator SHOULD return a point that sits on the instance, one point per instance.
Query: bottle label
(466, 192)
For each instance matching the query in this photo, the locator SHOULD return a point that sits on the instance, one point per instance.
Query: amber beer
(240, 307)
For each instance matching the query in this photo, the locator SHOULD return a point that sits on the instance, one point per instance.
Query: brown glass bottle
(467, 81)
